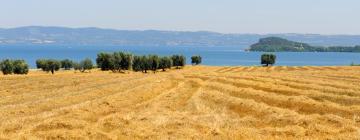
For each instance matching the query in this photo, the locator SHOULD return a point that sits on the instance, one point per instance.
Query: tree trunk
(52, 71)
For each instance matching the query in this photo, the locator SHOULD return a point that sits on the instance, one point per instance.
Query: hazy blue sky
(227, 16)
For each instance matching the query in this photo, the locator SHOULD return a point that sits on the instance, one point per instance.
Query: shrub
(103, 61)
(165, 63)
(268, 59)
(196, 60)
(20, 67)
(7, 66)
(85, 65)
(178, 61)
(66, 64)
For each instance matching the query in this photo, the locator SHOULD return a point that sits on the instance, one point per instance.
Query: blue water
(217, 56)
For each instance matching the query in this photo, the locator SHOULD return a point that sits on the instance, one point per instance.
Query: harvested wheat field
(197, 102)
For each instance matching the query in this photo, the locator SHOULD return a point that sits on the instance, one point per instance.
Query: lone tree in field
(178, 60)
(20, 67)
(66, 64)
(103, 61)
(49, 65)
(86, 65)
(165, 63)
(7, 66)
(268, 59)
(196, 60)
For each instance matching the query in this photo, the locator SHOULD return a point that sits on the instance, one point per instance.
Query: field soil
(197, 102)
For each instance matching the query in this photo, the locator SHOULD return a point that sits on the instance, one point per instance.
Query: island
(277, 44)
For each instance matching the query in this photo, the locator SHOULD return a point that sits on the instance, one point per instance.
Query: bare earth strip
(197, 102)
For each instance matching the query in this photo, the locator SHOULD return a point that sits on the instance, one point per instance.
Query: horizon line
(193, 31)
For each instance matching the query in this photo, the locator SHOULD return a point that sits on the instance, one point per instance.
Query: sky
(225, 16)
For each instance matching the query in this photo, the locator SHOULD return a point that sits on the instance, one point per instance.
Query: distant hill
(276, 44)
(39, 35)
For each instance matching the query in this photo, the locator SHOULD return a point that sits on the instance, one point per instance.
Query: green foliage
(126, 61)
(20, 67)
(116, 62)
(196, 60)
(103, 61)
(66, 64)
(165, 63)
(49, 65)
(14, 66)
(276, 44)
(154, 62)
(137, 63)
(76, 66)
(40, 63)
(119, 61)
(179, 60)
(268, 59)
(146, 63)
(85, 64)
(7, 66)
(353, 64)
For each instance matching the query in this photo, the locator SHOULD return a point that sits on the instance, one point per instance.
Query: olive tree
(137, 64)
(165, 63)
(49, 65)
(178, 60)
(103, 61)
(40, 63)
(66, 64)
(268, 59)
(7, 66)
(86, 64)
(146, 63)
(154, 62)
(20, 67)
(126, 61)
(14, 66)
(196, 60)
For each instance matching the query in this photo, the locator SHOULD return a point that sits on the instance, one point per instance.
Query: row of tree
(116, 62)
(9, 66)
(52, 65)
(121, 61)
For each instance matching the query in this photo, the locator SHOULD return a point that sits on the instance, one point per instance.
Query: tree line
(115, 62)
(121, 61)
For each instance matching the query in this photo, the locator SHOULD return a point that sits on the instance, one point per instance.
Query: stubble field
(197, 102)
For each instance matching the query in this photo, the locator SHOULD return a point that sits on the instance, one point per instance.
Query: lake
(216, 56)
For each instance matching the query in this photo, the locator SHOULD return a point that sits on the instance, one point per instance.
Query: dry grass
(194, 103)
